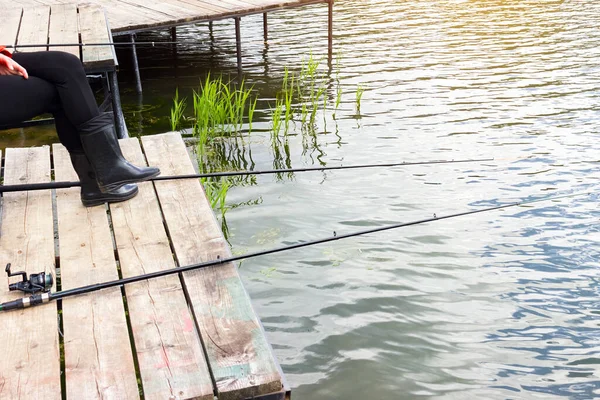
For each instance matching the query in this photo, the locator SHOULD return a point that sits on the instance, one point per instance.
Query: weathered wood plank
(29, 366)
(64, 27)
(170, 355)
(173, 8)
(93, 29)
(211, 7)
(237, 350)
(34, 27)
(98, 356)
(121, 13)
(11, 20)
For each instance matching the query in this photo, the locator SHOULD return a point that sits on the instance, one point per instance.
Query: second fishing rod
(42, 282)
(68, 184)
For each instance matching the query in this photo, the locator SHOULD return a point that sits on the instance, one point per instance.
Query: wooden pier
(187, 336)
(126, 17)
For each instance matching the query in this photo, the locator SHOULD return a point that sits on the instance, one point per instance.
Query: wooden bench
(188, 336)
(65, 24)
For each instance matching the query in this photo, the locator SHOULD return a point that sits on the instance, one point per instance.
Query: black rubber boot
(101, 146)
(90, 193)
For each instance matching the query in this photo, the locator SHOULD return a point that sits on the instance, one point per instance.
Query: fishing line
(68, 184)
(46, 282)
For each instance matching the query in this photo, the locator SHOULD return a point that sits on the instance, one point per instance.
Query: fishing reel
(41, 282)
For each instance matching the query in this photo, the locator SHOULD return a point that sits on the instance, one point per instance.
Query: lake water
(498, 305)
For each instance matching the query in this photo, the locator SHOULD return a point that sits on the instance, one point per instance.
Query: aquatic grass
(289, 112)
(320, 92)
(359, 93)
(251, 109)
(338, 99)
(220, 109)
(304, 114)
(276, 117)
(338, 85)
(216, 191)
(177, 111)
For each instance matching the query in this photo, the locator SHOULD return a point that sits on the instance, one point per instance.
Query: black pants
(57, 84)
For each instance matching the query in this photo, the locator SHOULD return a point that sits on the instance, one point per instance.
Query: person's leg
(22, 99)
(95, 130)
(66, 73)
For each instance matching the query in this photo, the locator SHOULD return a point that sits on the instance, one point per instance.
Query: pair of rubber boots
(105, 175)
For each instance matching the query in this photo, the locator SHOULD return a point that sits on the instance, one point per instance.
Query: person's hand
(8, 66)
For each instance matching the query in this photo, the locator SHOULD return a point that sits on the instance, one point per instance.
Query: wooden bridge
(187, 336)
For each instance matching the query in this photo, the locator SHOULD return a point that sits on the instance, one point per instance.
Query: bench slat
(11, 20)
(169, 350)
(93, 29)
(238, 352)
(30, 362)
(34, 28)
(64, 28)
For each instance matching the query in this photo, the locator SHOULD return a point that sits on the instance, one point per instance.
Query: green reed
(219, 109)
(359, 93)
(177, 111)
(338, 86)
(276, 117)
(251, 109)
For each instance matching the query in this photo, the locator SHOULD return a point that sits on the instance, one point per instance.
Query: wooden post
(265, 27)
(238, 44)
(174, 49)
(136, 68)
(174, 39)
(330, 28)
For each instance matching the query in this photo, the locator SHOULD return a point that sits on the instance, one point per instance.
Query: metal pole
(136, 67)
(120, 126)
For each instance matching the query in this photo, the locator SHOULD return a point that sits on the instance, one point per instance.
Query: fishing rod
(153, 44)
(43, 282)
(68, 184)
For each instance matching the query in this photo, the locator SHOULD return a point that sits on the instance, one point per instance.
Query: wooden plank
(34, 27)
(238, 352)
(11, 20)
(211, 7)
(30, 362)
(94, 29)
(64, 28)
(168, 7)
(121, 14)
(98, 356)
(169, 350)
